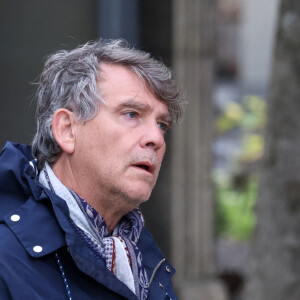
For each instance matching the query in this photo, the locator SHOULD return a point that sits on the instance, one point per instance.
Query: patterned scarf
(119, 250)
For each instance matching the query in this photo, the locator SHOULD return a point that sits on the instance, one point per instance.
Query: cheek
(161, 153)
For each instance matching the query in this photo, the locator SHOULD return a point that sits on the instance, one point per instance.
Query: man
(70, 224)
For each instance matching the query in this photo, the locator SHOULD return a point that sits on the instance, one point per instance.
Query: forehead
(118, 84)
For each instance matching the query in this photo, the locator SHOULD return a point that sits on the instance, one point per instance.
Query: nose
(152, 137)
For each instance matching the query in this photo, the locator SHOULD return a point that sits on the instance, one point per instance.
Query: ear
(63, 126)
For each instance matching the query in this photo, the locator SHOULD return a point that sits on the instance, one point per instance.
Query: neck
(109, 206)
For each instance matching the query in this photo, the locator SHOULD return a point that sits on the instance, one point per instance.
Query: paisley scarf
(118, 250)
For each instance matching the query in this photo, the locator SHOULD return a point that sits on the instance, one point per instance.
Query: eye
(131, 114)
(163, 126)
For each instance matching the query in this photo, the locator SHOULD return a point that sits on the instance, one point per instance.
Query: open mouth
(145, 166)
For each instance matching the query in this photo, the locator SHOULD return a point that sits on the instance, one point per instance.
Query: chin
(131, 195)
(137, 198)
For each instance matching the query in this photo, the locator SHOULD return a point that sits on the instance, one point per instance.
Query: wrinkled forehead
(123, 81)
(116, 72)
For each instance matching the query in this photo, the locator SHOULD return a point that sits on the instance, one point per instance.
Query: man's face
(121, 149)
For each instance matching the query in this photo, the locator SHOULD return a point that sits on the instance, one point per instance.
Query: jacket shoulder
(23, 276)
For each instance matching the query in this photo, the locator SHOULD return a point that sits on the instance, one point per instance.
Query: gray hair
(69, 80)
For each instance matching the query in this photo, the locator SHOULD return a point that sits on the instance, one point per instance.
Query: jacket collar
(35, 227)
(153, 257)
(24, 203)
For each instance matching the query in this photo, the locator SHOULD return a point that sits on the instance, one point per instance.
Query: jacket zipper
(155, 270)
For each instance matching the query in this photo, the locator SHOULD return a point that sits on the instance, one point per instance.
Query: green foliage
(235, 217)
(252, 147)
(237, 191)
(232, 117)
(249, 115)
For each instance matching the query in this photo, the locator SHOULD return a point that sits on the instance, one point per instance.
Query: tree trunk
(275, 269)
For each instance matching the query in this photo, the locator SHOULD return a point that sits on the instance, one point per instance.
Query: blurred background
(226, 208)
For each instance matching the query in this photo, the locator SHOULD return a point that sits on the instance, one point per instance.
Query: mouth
(144, 166)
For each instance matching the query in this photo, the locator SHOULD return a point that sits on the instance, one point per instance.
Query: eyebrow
(134, 105)
(142, 107)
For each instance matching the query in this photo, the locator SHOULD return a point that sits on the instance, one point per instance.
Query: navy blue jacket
(30, 216)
